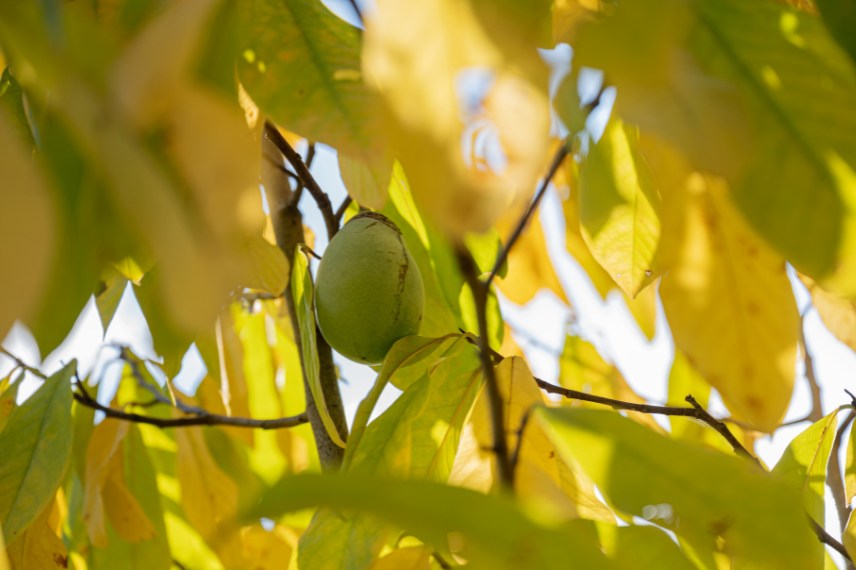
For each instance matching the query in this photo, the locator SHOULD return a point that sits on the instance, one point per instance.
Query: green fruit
(368, 292)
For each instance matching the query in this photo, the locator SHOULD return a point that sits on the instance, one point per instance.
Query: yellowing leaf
(267, 549)
(402, 54)
(367, 182)
(619, 206)
(836, 312)
(701, 495)
(408, 558)
(529, 266)
(208, 496)
(27, 219)
(731, 308)
(541, 476)
(804, 464)
(644, 309)
(37, 445)
(40, 547)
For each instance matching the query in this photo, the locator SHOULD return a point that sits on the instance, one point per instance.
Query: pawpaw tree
(689, 163)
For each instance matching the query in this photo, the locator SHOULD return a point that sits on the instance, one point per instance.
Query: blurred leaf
(731, 308)
(139, 479)
(644, 309)
(367, 182)
(304, 299)
(619, 206)
(301, 65)
(494, 531)
(40, 547)
(36, 444)
(268, 549)
(836, 312)
(28, 220)
(643, 547)
(803, 464)
(700, 494)
(684, 380)
(8, 399)
(407, 558)
(840, 18)
(208, 496)
(457, 193)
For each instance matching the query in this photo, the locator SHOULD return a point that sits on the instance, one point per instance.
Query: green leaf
(416, 437)
(840, 18)
(619, 206)
(107, 300)
(304, 298)
(36, 448)
(804, 463)
(140, 476)
(700, 494)
(301, 65)
(495, 532)
(633, 547)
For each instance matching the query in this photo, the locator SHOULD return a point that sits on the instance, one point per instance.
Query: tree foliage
(163, 152)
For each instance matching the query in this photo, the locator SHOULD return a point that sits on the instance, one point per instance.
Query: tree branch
(829, 540)
(834, 478)
(357, 11)
(340, 211)
(480, 294)
(560, 155)
(306, 178)
(199, 418)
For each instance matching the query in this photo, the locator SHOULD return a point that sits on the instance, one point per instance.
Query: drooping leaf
(700, 494)
(37, 447)
(731, 307)
(304, 298)
(458, 193)
(619, 205)
(643, 547)
(804, 464)
(836, 312)
(40, 547)
(495, 532)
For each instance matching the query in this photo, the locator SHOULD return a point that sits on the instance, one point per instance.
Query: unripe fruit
(368, 291)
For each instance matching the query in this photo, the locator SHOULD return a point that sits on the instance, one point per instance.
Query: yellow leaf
(644, 309)
(836, 312)
(367, 182)
(408, 558)
(402, 55)
(233, 384)
(529, 266)
(731, 308)
(40, 547)
(619, 209)
(574, 242)
(268, 549)
(849, 537)
(542, 477)
(270, 270)
(105, 492)
(208, 496)
(569, 15)
(26, 220)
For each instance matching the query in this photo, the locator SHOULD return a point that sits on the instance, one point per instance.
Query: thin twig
(199, 419)
(306, 178)
(560, 155)
(695, 411)
(480, 294)
(340, 211)
(518, 445)
(811, 377)
(834, 478)
(829, 540)
(23, 365)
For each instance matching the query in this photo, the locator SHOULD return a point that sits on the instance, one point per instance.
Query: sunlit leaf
(836, 312)
(644, 310)
(643, 547)
(731, 308)
(303, 291)
(37, 448)
(407, 558)
(619, 206)
(804, 464)
(493, 532)
(700, 494)
(40, 547)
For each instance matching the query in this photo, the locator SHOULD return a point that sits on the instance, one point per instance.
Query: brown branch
(306, 178)
(340, 211)
(560, 155)
(835, 479)
(480, 294)
(816, 412)
(695, 411)
(201, 418)
(829, 540)
(23, 365)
